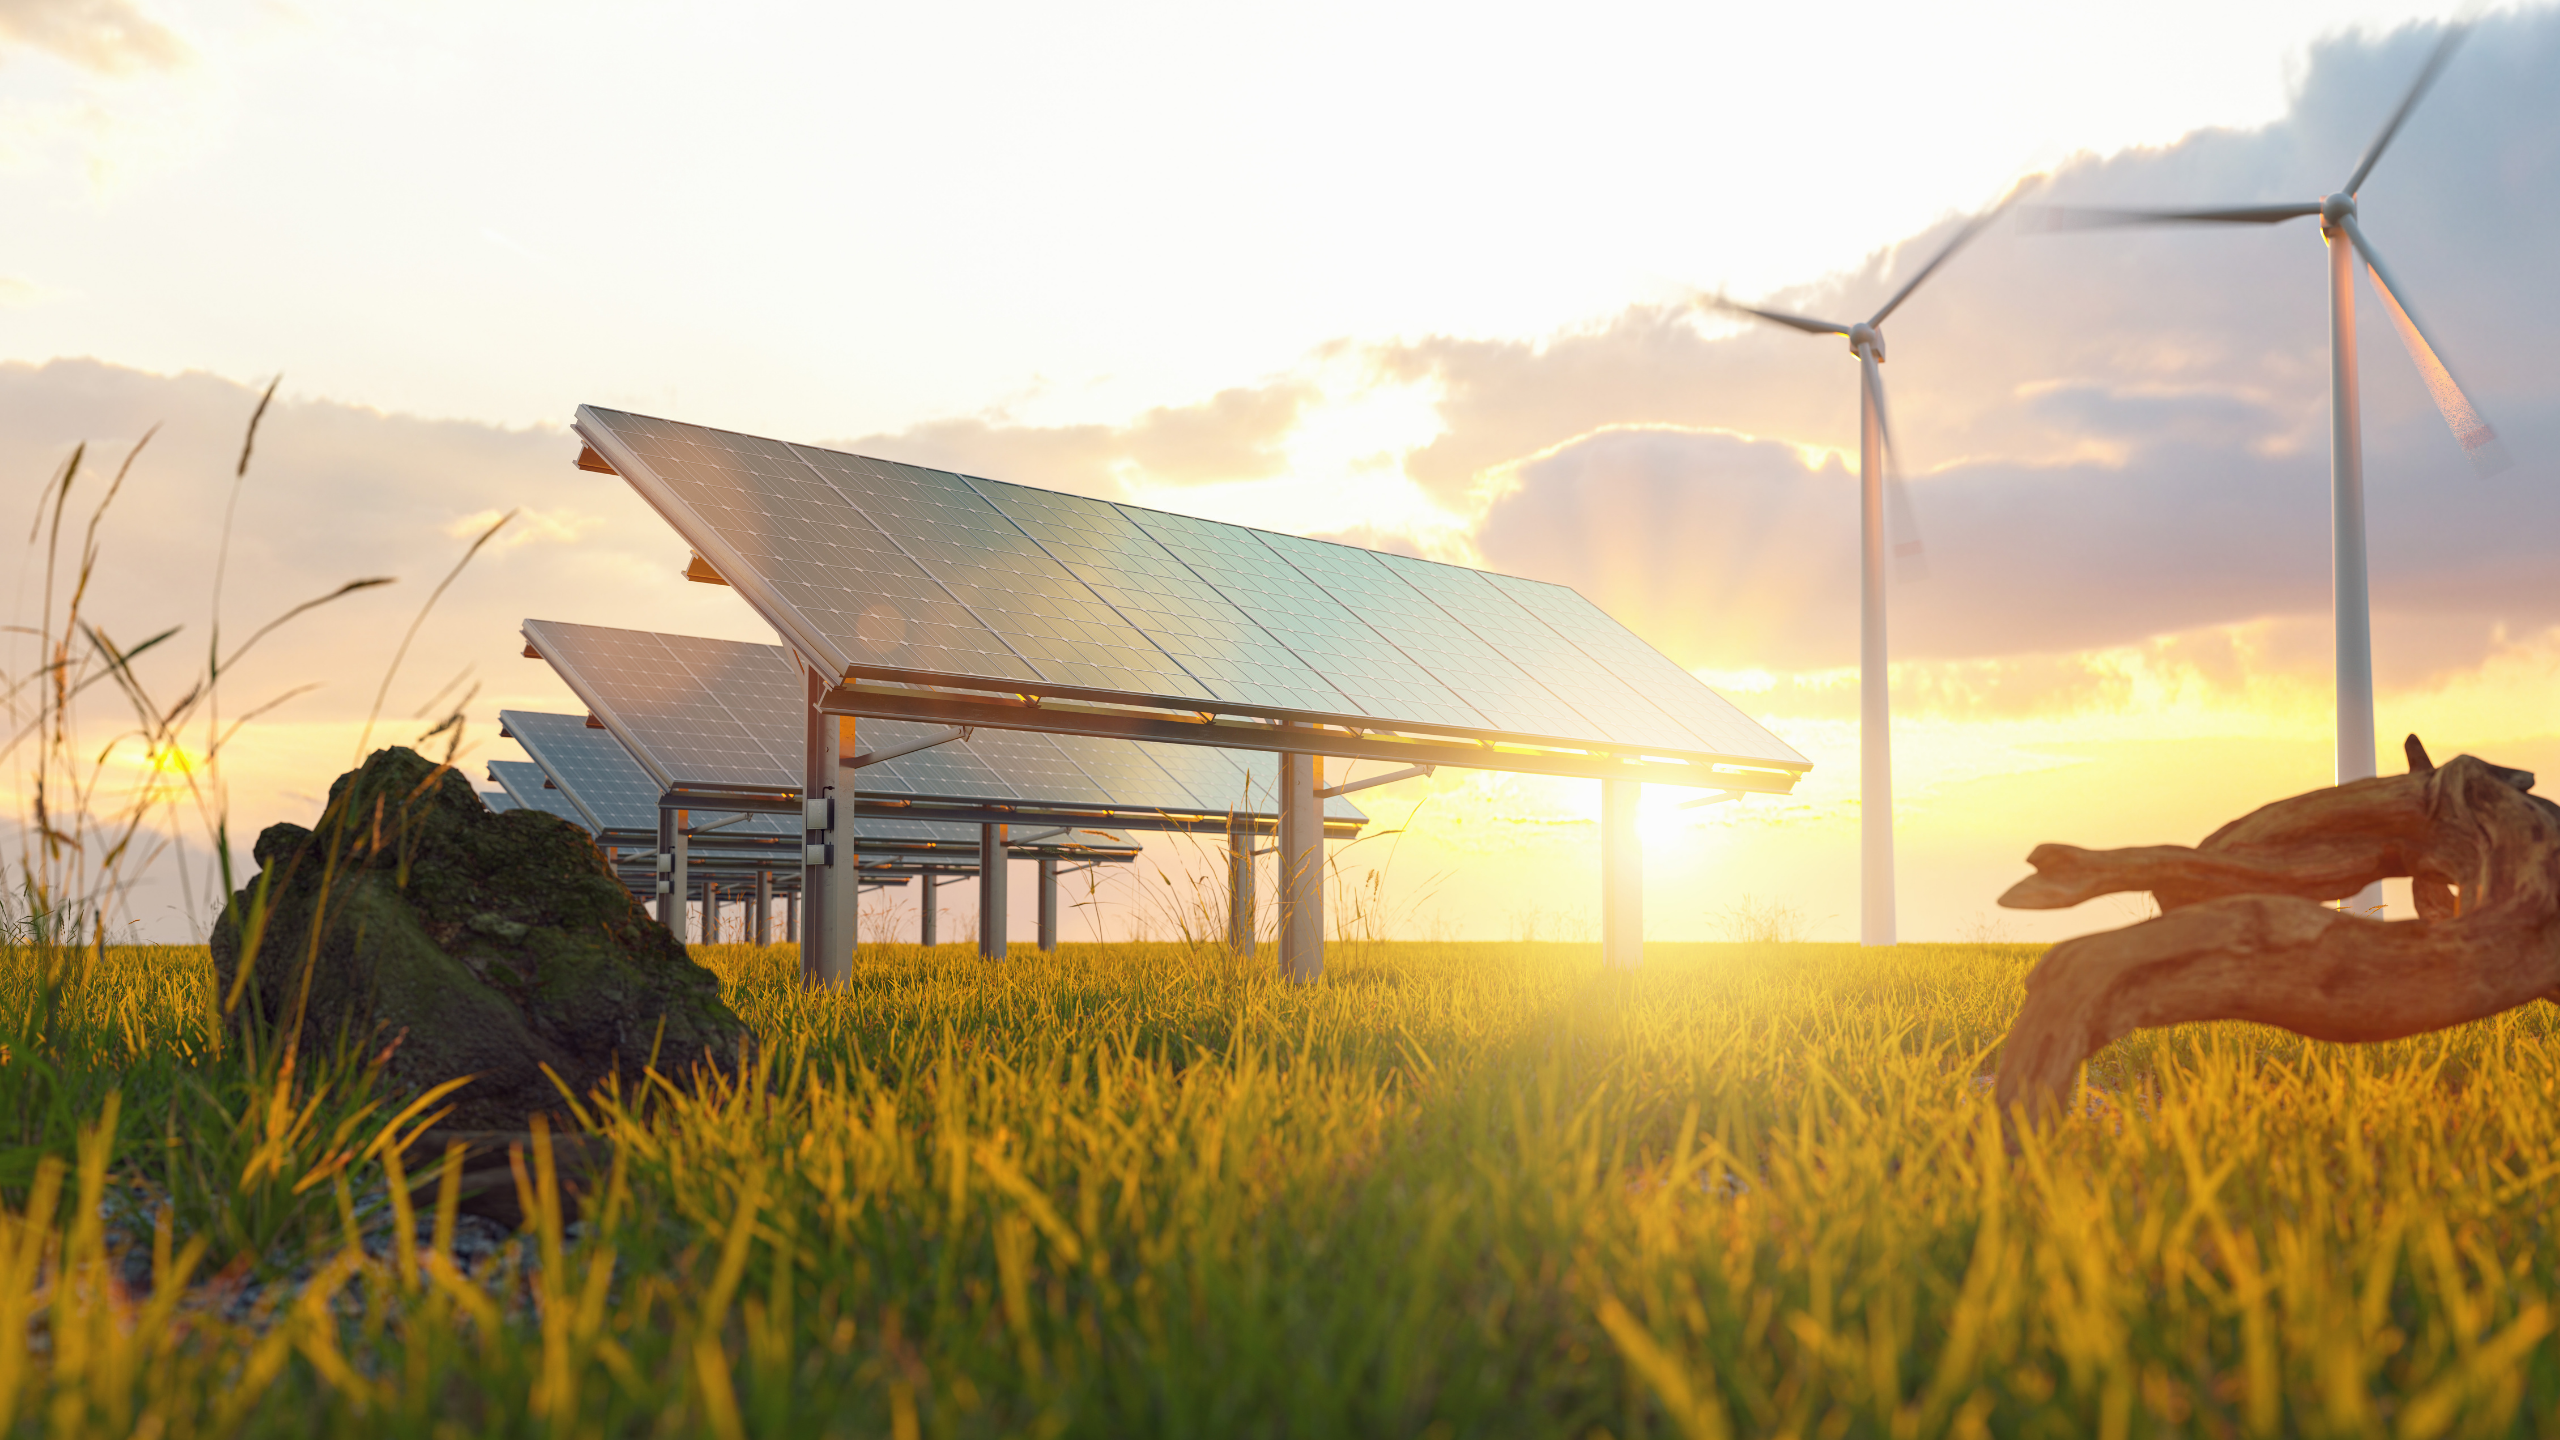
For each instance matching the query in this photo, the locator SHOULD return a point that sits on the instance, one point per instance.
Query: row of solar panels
(883, 569)
(725, 715)
(585, 776)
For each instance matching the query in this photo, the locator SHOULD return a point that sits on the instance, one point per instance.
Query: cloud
(2109, 435)
(1236, 434)
(110, 37)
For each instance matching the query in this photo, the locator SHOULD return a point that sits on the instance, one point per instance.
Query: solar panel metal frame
(986, 788)
(807, 515)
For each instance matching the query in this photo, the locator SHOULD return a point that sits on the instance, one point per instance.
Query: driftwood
(2243, 935)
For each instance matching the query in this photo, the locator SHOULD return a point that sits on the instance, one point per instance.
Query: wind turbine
(1882, 506)
(2346, 241)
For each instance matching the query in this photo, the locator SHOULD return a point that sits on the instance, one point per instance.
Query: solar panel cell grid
(1044, 615)
(523, 780)
(1376, 681)
(1495, 687)
(1230, 657)
(599, 776)
(1036, 769)
(1608, 704)
(1647, 671)
(835, 568)
(949, 771)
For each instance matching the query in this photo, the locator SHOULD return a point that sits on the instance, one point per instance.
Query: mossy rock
(471, 942)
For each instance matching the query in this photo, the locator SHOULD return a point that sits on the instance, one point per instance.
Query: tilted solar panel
(1043, 614)
(597, 777)
(872, 567)
(1216, 644)
(590, 767)
(1606, 702)
(1645, 670)
(523, 782)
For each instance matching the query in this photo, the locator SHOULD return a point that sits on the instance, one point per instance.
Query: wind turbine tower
(2347, 243)
(1882, 504)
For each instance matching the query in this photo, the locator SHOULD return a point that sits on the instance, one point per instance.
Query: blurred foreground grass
(1456, 1189)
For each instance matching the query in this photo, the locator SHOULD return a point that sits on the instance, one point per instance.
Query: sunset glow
(1418, 314)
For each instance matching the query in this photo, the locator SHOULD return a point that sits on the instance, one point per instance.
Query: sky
(1418, 277)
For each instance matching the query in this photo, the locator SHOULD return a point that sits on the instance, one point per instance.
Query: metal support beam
(791, 918)
(931, 931)
(762, 923)
(710, 913)
(1301, 868)
(830, 880)
(1474, 751)
(1621, 876)
(1240, 885)
(991, 891)
(874, 757)
(1410, 772)
(1048, 903)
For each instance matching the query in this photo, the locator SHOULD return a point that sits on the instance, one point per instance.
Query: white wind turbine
(2355, 753)
(1882, 503)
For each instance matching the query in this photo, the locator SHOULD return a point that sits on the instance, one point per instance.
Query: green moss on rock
(485, 944)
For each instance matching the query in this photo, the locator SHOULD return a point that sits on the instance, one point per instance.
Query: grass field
(1462, 1189)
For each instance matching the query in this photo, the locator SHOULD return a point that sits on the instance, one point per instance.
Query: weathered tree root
(2242, 935)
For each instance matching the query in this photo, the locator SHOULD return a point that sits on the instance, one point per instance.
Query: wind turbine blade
(1963, 237)
(2088, 217)
(2480, 443)
(1901, 530)
(2417, 91)
(1799, 322)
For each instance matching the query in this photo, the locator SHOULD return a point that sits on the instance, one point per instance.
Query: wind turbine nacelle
(1865, 338)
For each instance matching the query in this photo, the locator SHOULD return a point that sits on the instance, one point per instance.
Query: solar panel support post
(762, 921)
(991, 892)
(675, 909)
(791, 918)
(1049, 903)
(929, 930)
(1301, 867)
(1621, 876)
(665, 867)
(830, 879)
(1240, 885)
(710, 913)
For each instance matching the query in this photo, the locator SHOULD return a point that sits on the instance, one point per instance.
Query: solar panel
(589, 766)
(498, 801)
(1419, 629)
(1605, 702)
(1646, 671)
(871, 566)
(1047, 617)
(1377, 681)
(600, 781)
(523, 782)
(1216, 644)
(719, 713)
(651, 695)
